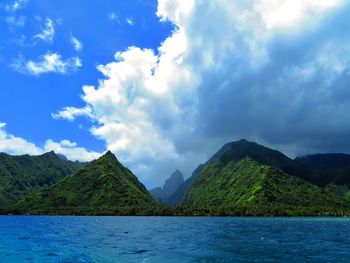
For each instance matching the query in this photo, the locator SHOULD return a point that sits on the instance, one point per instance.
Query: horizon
(163, 85)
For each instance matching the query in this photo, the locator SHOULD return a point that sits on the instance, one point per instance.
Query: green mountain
(249, 183)
(245, 178)
(236, 151)
(22, 175)
(104, 186)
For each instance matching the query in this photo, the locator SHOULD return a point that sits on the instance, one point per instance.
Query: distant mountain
(157, 193)
(22, 175)
(172, 183)
(104, 186)
(328, 168)
(176, 197)
(246, 182)
(170, 186)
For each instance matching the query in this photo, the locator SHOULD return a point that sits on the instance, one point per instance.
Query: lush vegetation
(248, 183)
(241, 179)
(104, 186)
(22, 175)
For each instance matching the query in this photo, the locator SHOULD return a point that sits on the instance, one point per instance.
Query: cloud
(113, 16)
(130, 21)
(71, 150)
(229, 70)
(16, 5)
(47, 32)
(14, 21)
(70, 113)
(17, 146)
(76, 43)
(48, 63)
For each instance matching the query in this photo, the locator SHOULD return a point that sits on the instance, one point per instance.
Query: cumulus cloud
(15, 145)
(48, 63)
(229, 70)
(47, 31)
(76, 43)
(71, 150)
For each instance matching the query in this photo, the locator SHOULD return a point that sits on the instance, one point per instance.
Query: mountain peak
(109, 155)
(173, 182)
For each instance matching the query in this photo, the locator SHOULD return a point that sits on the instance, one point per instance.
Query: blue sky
(164, 83)
(28, 99)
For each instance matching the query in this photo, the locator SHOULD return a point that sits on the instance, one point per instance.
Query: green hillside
(104, 186)
(238, 150)
(22, 175)
(249, 183)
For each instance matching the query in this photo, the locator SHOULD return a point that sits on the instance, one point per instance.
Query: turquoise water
(173, 239)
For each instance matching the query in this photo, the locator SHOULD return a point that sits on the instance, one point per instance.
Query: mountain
(157, 193)
(104, 186)
(22, 175)
(238, 150)
(328, 168)
(176, 197)
(247, 182)
(169, 188)
(172, 183)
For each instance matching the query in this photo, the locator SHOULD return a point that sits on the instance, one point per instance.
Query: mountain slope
(172, 183)
(176, 197)
(248, 182)
(169, 188)
(21, 175)
(328, 168)
(238, 150)
(104, 186)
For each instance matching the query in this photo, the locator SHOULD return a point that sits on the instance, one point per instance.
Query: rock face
(172, 183)
(170, 186)
(22, 175)
(104, 186)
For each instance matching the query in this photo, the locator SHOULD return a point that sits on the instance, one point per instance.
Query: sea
(173, 239)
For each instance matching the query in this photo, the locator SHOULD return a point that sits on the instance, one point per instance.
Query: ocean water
(173, 239)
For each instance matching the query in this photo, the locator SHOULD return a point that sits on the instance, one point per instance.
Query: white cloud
(291, 13)
(48, 63)
(211, 78)
(71, 150)
(17, 146)
(47, 32)
(76, 43)
(70, 113)
(16, 21)
(16, 5)
(130, 21)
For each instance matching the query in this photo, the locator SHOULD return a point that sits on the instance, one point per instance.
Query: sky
(164, 84)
